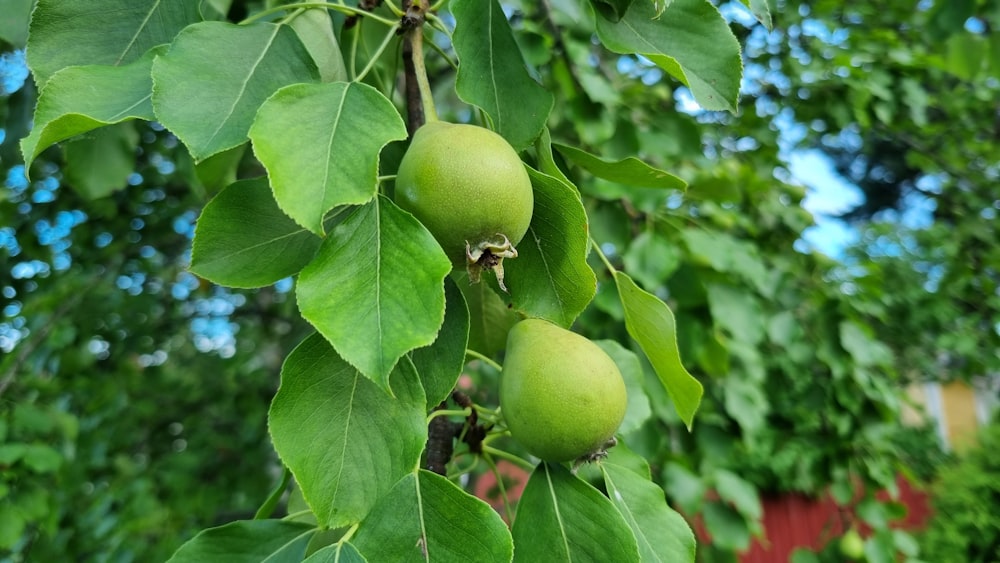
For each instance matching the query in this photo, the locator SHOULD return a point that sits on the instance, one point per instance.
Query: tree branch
(419, 105)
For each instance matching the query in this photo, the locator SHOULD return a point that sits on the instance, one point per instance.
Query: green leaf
(41, 458)
(14, 21)
(873, 512)
(426, 517)
(440, 363)
(651, 259)
(740, 493)
(219, 170)
(738, 311)
(562, 518)
(336, 553)
(315, 30)
(613, 9)
(546, 160)
(320, 144)
(492, 75)
(242, 239)
(550, 277)
(101, 32)
(803, 555)
(271, 502)
(490, 318)
(651, 323)
(686, 488)
(723, 253)
(82, 98)
(10, 453)
(208, 86)
(345, 440)
(248, 541)
(12, 525)
(215, 9)
(728, 529)
(638, 409)
(746, 402)
(760, 10)
(113, 147)
(662, 534)
(690, 40)
(629, 171)
(375, 289)
(864, 349)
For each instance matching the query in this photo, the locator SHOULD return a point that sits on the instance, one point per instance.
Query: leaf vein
(243, 85)
(138, 31)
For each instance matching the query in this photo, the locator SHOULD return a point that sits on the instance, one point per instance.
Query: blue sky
(827, 195)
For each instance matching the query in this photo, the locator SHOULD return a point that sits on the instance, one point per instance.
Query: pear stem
(419, 98)
(483, 358)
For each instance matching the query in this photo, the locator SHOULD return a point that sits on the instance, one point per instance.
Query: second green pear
(561, 395)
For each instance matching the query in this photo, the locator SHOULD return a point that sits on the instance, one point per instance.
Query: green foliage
(562, 518)
(450, 524)
(665, 232)
(323, 160)
(327, 422)
(965, 526)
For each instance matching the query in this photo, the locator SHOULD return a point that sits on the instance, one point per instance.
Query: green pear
(468, 186)
(852, 545)
(561, 395)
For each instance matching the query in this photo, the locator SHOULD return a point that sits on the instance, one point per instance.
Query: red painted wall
(794, 521)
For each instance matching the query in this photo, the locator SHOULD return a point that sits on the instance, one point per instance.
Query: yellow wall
(958, 402)
(951, 405)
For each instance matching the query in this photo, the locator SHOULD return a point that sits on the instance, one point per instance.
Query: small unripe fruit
(468, 186)
(852, 545)
(561, 395)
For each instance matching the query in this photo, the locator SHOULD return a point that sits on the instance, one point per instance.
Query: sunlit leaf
(629, 171)
(248, 541)
(561, 518)
(344, 439)
(492, 75)
(14, 21)
(661, 533)
(242, 239)
(375, 289)
(550, 277)
(651, 323)
(209, 85)
(690, 40)
(315, 29)
(760, 10)
(83, 98)
(78, 32)
(336, 553)
(320, 144)
(426, 517)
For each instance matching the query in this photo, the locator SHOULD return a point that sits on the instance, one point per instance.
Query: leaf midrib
(243, 86)
(138, 31)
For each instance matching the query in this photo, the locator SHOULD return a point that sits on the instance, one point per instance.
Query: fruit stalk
(419, 99)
